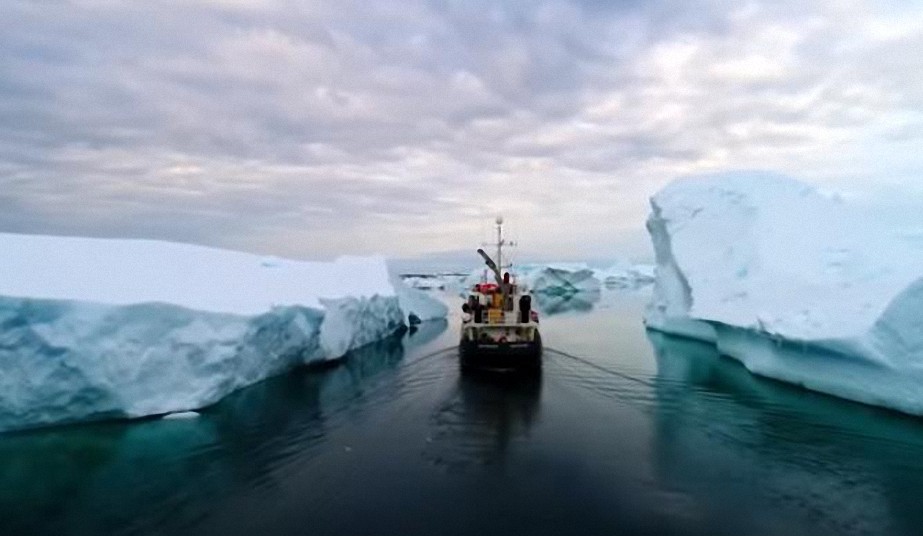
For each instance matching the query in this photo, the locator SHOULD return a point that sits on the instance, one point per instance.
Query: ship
(499, 329)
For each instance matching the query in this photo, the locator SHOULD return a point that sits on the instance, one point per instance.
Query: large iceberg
(95, 328)
(788, 281)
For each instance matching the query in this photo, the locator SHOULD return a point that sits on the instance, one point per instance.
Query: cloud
(312, 129)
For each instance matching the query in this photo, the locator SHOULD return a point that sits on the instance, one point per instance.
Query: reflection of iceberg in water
(159, 475)
(552, 304)
(484, 418)
(737, 452)
(91, 478)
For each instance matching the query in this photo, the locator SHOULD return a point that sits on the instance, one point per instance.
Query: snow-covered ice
(791, 283)
(96, 328)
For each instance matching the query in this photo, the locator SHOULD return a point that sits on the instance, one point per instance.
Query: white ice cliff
(93, 328)
(792, 284)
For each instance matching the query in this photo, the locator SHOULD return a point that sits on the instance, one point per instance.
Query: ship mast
(496, 267)
(499, 242)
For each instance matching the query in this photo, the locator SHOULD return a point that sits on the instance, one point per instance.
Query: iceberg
(562, 278)
(181, 415)
(423, 281)
(438, 281)
(553, 304)
(623, 275)
(559, 278)
(791, 283)
(418, 304)
(100, 328)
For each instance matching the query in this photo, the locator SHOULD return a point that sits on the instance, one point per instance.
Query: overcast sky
(311, 129)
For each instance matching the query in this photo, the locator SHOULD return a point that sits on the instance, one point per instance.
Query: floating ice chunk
(626, 275)
(789, 282)
(181, 415)
(554, 278)
(93, 328)
(439, 281)
(561, 278)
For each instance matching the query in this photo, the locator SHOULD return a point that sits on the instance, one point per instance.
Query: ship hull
(492, 355)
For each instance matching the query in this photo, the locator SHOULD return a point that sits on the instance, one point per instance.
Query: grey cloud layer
(315, 128)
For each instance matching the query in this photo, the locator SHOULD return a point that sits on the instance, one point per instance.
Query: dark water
(624, 432)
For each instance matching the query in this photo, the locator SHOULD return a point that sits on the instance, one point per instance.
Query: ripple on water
(481, 417)
(660, 435)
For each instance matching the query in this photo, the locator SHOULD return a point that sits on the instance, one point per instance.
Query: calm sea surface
(624, 432)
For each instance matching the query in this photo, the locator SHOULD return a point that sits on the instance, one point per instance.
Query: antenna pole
(499, 241)
(504, 290)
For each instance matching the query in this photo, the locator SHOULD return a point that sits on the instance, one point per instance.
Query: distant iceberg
(448, 281)
(559, 278)
(94, 328)
(789, 282)
(553, 304)
(567, 278)
(562, 278)
(624, 275)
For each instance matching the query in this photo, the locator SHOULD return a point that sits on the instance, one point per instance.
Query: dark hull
(482, 355)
